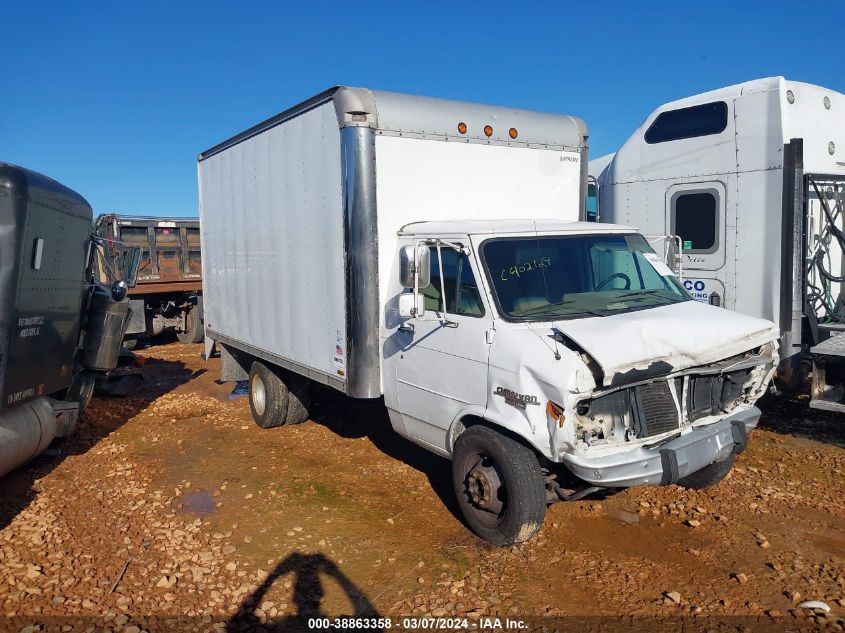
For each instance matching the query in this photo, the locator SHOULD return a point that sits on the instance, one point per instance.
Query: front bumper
(667, 462)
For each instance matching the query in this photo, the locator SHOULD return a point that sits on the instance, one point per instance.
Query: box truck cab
(751, 177)
(429, 252)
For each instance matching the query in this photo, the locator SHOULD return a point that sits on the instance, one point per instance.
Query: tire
(709, 475)
(299, 399)
(485, 461)
(194, 332)
(268, 397)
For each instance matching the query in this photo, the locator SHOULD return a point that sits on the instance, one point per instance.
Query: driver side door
(441, 370)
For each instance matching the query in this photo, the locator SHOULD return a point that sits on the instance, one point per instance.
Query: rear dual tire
(194, 332)
(277, 398)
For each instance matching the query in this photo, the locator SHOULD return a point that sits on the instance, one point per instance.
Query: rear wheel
(299, 399)
(499, 486)
(268, 397)
(709, 475)
(193, 327)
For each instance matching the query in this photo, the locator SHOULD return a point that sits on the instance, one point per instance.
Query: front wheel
(499, 486)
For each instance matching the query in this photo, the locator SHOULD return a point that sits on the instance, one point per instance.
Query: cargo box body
(300, 215)
(44, 240)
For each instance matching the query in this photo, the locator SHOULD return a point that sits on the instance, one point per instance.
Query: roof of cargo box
(25, 184)
(427, 117)
(499, 227)
(145, 219)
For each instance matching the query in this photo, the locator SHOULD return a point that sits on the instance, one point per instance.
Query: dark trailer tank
(58, 329)
(169, 290)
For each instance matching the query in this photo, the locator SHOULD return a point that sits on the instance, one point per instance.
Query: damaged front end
(660, 430)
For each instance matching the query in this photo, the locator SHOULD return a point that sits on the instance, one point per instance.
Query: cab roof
(501, 227)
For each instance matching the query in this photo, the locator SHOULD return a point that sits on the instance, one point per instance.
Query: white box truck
(428, 252)
(751, 177)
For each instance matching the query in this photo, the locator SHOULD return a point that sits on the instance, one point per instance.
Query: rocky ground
(171, 510)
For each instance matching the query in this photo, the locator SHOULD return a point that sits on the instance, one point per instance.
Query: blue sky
(115, 99)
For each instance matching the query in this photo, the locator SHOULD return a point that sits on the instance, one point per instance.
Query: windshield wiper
(644, 294)
(543, 308)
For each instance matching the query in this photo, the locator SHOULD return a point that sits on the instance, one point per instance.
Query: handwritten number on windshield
(526, 267)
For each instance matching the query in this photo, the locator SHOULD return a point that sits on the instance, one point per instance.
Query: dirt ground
(172, 510)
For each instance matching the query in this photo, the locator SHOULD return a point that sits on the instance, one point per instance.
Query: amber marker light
(513, 133)
(488, 130)
(555, 413)
(462, 127)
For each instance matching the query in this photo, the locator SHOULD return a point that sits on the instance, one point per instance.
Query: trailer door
(697, 213)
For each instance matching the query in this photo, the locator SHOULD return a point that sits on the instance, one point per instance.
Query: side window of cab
(463, 296)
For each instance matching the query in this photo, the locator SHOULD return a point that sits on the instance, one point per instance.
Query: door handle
(407, 327)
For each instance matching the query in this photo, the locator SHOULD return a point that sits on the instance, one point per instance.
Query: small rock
(674, 596)
(740, 578)
(693, 523)
(793, 596)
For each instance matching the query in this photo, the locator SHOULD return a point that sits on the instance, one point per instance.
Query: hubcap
(484, 489)
(259, 395)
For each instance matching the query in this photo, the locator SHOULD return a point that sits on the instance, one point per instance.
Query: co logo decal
(697, 285)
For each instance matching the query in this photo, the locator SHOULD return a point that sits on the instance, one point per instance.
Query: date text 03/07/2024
(416, 623)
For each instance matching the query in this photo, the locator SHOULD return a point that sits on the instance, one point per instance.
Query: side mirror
(411, 305)
(131, 265)
(415, 260)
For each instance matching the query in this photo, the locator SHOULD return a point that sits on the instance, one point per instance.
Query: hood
(638, 345)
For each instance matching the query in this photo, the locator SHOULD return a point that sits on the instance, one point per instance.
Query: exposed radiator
(658, 412)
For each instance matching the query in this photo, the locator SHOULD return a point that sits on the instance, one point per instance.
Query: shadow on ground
(104, 415)
(308, 592)
(793, 416)
(353, 418)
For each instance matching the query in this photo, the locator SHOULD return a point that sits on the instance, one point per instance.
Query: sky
(116, 99)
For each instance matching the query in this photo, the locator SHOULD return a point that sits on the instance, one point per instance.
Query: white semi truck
(428, 252)
(751, 178)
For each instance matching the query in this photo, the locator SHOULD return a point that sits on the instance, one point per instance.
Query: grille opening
(657, 410)
(711, 395)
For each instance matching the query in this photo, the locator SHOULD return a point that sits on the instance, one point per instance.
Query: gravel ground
(171, 510)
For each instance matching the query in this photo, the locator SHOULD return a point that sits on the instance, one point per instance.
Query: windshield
(564, 277)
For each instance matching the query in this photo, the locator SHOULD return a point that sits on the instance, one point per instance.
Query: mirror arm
(442, 285)
(416, 279)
